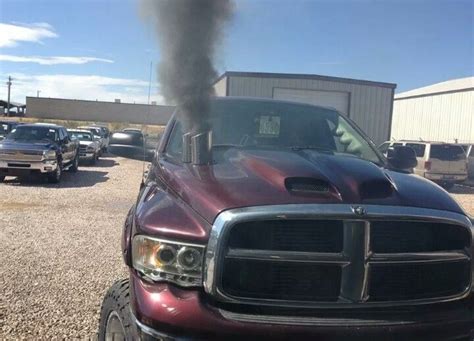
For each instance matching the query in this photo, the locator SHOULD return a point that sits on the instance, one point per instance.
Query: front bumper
(15, 168)
(86, 156)
(446, 177)
(165, 311)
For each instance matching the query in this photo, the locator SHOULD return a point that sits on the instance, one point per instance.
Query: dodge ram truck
(283, 221)
(44, 149)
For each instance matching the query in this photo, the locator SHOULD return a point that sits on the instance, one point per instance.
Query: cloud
(11, 34)
(55, 60)
(86, 87)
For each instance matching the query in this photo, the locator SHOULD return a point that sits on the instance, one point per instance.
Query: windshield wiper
(323, 149)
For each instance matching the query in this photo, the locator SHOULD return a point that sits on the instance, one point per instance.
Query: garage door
(333, 99)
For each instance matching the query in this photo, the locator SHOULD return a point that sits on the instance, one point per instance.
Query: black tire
(93, 160)
(116, 309)
(75, 164)
(55, 177)
(2, 177)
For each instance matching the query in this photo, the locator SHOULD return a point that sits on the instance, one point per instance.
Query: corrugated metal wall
(370, 106)
(220, 87)
(66, 109)
(437, 117)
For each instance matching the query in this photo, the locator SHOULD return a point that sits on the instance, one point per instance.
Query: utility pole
(9, 84)
(38, 93)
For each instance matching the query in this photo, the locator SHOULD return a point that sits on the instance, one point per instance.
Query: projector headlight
(49, 155)
(169, 261)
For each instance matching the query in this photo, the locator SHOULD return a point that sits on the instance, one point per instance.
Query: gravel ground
(60, 248)
(464, 195)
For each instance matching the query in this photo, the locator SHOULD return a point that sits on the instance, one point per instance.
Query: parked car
(6, 127)
(89, 147)
(99, 135)
(38, 148)
(105, 135)
(443, 163)
(287, 223)
(469, 149)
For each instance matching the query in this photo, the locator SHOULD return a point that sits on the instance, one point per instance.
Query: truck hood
(262, 177)
(26, 145)
(86, 143)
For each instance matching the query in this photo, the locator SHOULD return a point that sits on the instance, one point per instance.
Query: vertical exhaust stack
(202, 148)
(187, 157)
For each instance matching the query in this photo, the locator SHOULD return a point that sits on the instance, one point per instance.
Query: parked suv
(468, 148)
(99, 135)
(287, 224)
(89, 147)
(443, 163)
(38, 148)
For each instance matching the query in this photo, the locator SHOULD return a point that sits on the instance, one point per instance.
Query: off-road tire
(117, 300)
(75, 164)
(55, 177)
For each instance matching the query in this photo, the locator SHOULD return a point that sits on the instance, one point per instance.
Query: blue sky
(102, 49)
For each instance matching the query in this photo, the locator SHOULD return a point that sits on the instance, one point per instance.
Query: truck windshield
(277, 125)
(81, 136)
(33, 133)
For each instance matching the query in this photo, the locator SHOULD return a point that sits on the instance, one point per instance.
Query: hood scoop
(298, 185)
(375, 189)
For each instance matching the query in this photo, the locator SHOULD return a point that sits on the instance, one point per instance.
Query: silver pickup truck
(89, 146)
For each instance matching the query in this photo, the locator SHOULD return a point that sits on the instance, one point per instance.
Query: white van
(443, 163)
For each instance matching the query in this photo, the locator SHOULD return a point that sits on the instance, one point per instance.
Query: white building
(367, 103)
(439, 112)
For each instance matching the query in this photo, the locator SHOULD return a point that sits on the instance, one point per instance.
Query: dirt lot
(60, 248)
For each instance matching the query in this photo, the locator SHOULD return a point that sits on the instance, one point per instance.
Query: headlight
(90, 149)
(49, 154)
(163, 260)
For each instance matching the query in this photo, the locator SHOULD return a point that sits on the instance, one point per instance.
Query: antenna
(145, 125)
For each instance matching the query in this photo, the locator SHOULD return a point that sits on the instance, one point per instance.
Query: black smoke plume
(189, 32)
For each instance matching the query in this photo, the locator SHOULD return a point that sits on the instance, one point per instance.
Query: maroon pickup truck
(283, 221)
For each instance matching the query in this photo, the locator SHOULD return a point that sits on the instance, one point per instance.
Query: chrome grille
(21, 155)
(377, 246)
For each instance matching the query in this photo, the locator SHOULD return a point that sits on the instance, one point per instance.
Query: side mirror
(130, 146)
(402, 157)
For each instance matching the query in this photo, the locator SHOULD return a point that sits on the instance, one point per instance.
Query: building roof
(453, 85)
(304, 76)
(12, 104)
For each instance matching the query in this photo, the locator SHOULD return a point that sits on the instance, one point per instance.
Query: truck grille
(337, 261)
(21, 155)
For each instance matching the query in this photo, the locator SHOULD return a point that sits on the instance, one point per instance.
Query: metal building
(439, 112)
(367, 103)
(71, 109)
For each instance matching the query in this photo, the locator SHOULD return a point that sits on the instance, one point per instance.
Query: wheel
(55, 177)
(75, 164)
(115, 320)
(2, 177)
(93, 160)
